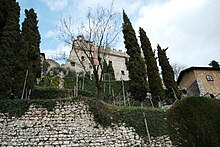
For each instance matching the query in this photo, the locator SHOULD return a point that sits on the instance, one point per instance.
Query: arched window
(209, 78)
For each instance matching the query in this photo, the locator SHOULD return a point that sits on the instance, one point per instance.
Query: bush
(49, 81)
(18, 107)
(194, 121)
(105, 115)
(49, 93)
(86, 93)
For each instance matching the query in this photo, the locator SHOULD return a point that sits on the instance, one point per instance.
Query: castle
(83, 50)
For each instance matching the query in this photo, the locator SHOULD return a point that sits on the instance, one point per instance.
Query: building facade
(83, 51)
(200, 81)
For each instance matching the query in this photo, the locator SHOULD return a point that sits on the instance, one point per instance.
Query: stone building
(82, 47)
(200, 81)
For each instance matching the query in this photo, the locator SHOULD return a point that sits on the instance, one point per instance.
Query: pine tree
(155, 84)
(135, 64)
(30, 42)
(9, 38)
(167, 73)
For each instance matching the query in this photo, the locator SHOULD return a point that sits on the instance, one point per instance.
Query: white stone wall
(70, 124)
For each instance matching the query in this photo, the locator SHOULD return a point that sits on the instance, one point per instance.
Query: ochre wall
(205, 87)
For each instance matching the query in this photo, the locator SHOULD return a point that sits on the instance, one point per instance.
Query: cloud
(56, 5)
(189, 28)
(51, 34)
(60, 54)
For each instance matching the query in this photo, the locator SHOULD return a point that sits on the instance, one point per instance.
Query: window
(83, 58)
(211, 96)
(122, 72)
(73, 63)
(209, 78)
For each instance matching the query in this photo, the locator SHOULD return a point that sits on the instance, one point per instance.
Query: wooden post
(77, 86)
(123, 90)
(146, 125)
(24, 87)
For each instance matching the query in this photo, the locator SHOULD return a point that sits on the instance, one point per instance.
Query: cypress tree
(167, 73)
(9, 38)
(111, 71)
(155, 84)
(30, 42)
(105, 69)
(135, 64)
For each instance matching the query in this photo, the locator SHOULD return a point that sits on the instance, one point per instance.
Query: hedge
(195, 121)
(106, 114)
(18, 107)
(50, 93)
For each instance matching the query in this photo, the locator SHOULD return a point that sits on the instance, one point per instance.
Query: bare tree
(94, 38)
(177, 68)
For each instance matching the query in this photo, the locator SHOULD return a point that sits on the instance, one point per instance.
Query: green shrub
(85, 93)
(18, 107)
(194, 121)
(50, 81)
(133, 116)
(49, 93)
(69, 82)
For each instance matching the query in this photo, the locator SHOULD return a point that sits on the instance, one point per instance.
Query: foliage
(49, 81)
(194, 121)
(168, 74)
(18, 107)
(154, 79)
(110, 70)
(9, 39)
(106, 114)
(30, 38)
(214, 63)
(105, 67)
(49, 93)
(86, 93)
(45, 67)
(135, 64)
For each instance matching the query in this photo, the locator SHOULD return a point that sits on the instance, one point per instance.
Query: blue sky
(190, 28)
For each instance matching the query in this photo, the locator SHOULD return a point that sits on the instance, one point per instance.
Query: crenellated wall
(69, 124)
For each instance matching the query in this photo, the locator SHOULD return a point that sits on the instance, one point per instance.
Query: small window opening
(83, 58)
(209, 78)
(211, 95)
(73, 63)
(122, 72)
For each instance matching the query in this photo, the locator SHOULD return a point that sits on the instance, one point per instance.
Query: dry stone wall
(69, 124)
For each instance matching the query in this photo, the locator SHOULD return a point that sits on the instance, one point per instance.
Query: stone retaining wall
(69, 124)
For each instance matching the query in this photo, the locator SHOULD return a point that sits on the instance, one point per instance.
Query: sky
(190, 28)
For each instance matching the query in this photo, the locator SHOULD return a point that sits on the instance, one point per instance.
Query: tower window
(209, 78)
(73, 63)
(122, 72)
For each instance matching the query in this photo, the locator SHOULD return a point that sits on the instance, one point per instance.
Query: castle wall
(118, 59)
